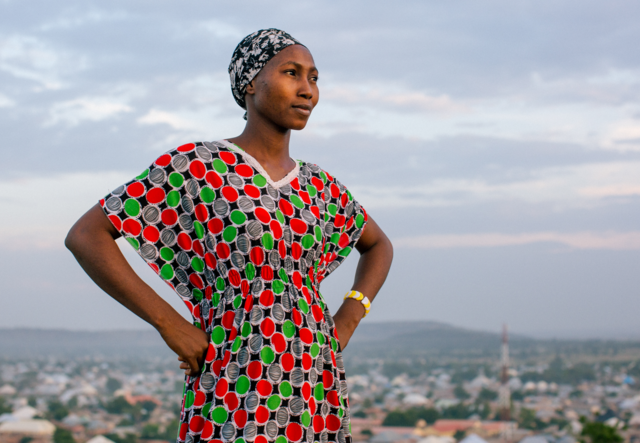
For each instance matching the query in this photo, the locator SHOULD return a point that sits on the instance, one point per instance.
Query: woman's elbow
(389, 247)
(71, 240)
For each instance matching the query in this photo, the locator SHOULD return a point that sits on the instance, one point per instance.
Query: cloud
(157, 117)
(619, 241)
(31, 58)
(39, 211)
(623, 135)
(74, 19)
(570, 186)
(386, 96)
(221, 29)
(95, 109)
(6, 102)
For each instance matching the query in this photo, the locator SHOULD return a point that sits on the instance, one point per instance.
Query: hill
(384, 340)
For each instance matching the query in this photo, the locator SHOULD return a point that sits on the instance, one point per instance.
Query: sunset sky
(496, 142)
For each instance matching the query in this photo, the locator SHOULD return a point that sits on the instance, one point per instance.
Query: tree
(148, 405)
(597, 432)
(410, 416)
(119, 405)
(4, 407)
(57, 410)
(459, 411)
(63, 436)
(359, 413)
(528, 420)
(487, 395)
(113, 385)
(150, 430)
(460, 393)
(129, 438)
(459, 434)
(171, 431)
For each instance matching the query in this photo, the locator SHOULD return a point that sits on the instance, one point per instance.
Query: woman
(244, 235)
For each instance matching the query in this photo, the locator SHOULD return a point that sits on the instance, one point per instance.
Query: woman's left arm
(376, 254)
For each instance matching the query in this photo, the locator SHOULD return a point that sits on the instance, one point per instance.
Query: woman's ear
(250, 88)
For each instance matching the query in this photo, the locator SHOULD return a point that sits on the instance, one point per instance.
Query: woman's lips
(303, 110)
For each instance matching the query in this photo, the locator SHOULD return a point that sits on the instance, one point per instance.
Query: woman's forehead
(294, 55)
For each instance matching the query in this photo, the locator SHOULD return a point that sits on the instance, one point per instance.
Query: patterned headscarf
(251, 55)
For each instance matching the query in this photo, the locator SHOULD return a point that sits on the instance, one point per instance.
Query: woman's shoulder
(205, 151)
(313, 170)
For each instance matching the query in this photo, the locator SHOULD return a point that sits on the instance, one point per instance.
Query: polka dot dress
(247, 255)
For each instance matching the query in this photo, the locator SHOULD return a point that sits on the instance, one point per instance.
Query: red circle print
(184, 241)
(187, 147)
(279, 343)
(135, 189)
(169, 217)
(228, 157)
(215, 226)
(294, 432)
(252, 191)
(264, 388)
(240, 418)
(155, 195)
(213, 179)
(254, 370)
(116, 222)
(287, 361)
(132, 226)
(298, 226)
(262, 215)
(163, 160)
(230, 193)
(245, 171)
(197, 169)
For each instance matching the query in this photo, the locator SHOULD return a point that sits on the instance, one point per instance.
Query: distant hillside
(386, 340)
(27, 342)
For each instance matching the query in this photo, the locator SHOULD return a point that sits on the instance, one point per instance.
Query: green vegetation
(151, 431)
(596, 432)
(459, 434)
(120, 405)
(559, 372)
(113, 385)
(460, 393)
(63, 436)
(528, 420)
(57, 411)
(409, 417)
(457, 412)
(4, 406)
(487, 395)
(129, 438)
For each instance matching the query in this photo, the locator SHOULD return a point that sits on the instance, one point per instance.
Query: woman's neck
(269, 146)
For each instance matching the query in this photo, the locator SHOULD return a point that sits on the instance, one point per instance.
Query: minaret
(504, 396)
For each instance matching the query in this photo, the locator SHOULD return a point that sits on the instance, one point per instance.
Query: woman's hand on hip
(189, 342)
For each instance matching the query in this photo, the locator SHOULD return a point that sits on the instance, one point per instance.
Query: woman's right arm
(92, 242)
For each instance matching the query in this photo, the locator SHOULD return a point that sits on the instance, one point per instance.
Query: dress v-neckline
(288, 178)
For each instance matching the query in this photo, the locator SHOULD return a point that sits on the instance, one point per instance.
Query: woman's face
(285, 91)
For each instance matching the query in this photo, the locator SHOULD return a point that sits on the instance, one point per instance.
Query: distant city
(437, 384)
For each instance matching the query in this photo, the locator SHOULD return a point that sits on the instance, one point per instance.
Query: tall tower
(504, 395)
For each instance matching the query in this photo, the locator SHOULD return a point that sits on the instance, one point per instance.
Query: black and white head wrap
(251, 55)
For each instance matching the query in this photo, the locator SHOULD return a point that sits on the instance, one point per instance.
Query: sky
(497, 143)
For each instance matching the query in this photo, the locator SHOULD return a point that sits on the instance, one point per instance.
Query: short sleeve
(345, 220)
(162, 213)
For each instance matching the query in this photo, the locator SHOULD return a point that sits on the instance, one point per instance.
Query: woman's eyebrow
(298, 65)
